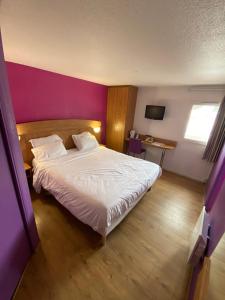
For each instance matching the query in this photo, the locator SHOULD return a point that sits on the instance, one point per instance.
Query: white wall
(186, 159)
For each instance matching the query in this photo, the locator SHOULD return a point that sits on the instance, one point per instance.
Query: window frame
(188, 119)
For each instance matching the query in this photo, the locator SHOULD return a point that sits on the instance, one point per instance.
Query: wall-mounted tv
(154, 112)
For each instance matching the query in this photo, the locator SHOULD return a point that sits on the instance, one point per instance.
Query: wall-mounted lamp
(97, 129)
(19, 137)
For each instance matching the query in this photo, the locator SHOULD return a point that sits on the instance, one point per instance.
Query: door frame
(11, 143)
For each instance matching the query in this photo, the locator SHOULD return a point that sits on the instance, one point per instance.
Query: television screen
(154, 112)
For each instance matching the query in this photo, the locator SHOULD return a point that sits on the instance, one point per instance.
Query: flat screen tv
(154, 112)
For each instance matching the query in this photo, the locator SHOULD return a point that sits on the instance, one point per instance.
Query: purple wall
(43, 95)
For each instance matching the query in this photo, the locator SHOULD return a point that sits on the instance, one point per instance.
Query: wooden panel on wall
(116, 117)
(120, 115)
(131, 105)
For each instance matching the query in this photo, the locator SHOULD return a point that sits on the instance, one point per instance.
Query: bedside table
(28, 171)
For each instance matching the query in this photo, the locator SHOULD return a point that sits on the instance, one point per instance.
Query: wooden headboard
(63, 128)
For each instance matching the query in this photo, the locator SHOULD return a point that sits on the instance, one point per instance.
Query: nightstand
(28, 171)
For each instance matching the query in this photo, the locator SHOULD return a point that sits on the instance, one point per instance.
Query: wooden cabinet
(121, 104)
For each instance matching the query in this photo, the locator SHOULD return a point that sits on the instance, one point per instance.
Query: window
(201, 121)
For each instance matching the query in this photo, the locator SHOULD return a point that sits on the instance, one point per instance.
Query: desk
(159, 143)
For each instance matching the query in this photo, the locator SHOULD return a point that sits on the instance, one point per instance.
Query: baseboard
(185, 176)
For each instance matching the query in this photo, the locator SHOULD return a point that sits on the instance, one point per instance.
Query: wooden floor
(144, 258)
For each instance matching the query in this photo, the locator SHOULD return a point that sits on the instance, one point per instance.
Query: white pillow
(44, 140)
(85, 141)
(49, 151)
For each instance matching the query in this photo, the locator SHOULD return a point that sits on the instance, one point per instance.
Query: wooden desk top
(158, 143)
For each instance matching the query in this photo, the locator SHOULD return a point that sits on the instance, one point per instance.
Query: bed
(99, 187)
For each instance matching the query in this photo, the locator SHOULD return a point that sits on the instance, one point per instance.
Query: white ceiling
(140, 42)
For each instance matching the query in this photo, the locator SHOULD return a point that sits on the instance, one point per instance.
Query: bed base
(103, 240)
(109, 229)
(104, 237)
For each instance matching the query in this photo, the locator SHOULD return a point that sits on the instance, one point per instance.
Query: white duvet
(98, 187)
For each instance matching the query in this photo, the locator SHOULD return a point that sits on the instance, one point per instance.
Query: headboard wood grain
(64, 128)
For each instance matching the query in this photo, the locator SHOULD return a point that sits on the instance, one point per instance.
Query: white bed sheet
(98, 187)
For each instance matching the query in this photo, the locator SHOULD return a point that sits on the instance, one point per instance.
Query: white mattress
(98, 187)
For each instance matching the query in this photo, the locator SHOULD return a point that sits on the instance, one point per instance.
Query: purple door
(216, 181)
(215, 203)
(14, 246)
(18, 232)
(215, 206)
